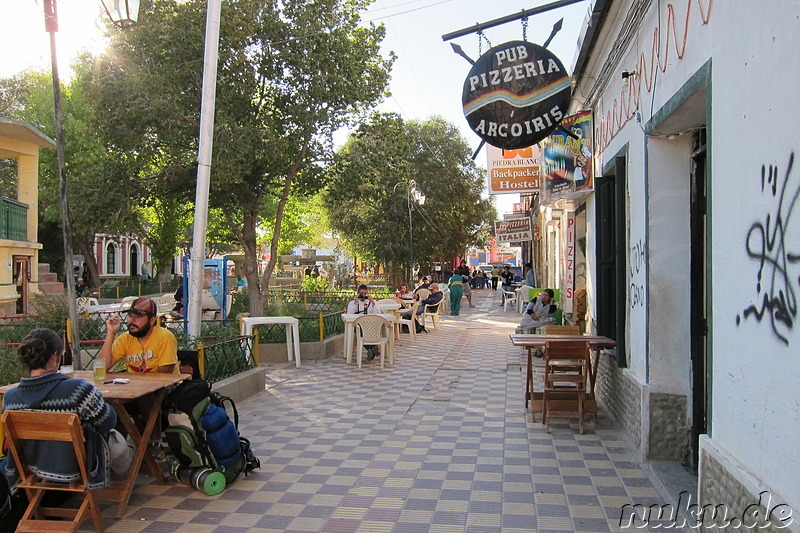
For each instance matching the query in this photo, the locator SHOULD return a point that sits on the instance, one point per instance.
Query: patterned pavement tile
(441, 441)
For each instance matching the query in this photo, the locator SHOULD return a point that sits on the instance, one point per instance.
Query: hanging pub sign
(515, 95)
(567, 161)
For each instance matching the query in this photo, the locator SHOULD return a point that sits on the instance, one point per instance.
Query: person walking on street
(456, 285)
(463, 269)
(530, 277)
(495, 277)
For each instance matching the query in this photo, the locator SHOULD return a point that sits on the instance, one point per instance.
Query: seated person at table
(426, 284)
(403, 292)
(539, 312)
(146, 346)
(364, 304)
(507, 278)
(43, 388)
(431, 301)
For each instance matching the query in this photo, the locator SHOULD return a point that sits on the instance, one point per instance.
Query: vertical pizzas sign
(568, 285)
(516, 94)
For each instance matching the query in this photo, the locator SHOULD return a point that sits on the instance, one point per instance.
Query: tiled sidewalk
(439, 442)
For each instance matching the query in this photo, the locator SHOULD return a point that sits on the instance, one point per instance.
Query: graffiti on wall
(767, 244)
(636, 264)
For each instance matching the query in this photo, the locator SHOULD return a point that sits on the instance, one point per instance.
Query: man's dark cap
(143, 306)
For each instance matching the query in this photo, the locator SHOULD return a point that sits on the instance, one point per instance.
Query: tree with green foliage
(367, 194)
(289, 74)
(102, 193)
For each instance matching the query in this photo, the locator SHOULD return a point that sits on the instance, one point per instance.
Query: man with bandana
(146, 347)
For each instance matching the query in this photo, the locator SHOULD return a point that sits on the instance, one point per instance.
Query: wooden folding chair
(54, 427)
(537, 398)
(566, 372)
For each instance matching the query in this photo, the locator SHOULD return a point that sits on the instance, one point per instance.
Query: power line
(408, 11)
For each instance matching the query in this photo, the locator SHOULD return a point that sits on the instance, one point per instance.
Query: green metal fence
(14, 223)
(123, 288)
(311, 329)
(226, 358)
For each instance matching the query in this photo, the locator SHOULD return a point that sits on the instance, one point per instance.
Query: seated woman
(402, 292)
(45, 389)
(539, 312)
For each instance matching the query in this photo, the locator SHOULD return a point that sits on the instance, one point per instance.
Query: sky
(427, 77)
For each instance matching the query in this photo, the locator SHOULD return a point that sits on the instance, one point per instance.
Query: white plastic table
(292, 331)
(349, 334)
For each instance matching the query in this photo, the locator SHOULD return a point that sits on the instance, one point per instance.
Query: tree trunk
(276, 233)
(86, 248)
(164, 274)
(251, 260)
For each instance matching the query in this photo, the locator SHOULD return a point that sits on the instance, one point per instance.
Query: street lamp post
(126, 12)
(413, 192)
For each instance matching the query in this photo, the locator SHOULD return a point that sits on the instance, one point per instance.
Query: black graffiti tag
(766, 243)
(637, 261)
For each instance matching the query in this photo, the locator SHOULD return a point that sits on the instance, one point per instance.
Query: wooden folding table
(529, 342)
(117, 395)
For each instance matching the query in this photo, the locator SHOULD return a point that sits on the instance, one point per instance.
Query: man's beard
(140, 332)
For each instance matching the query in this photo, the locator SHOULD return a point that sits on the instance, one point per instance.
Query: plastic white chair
(411, 322)
(423, 293)
(386, 305)
(433, 314)
(444, 305)
(372, 330)
(524, 297)
(510, 298)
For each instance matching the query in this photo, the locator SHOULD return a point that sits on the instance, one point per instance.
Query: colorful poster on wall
(567, 160)
(513, 171)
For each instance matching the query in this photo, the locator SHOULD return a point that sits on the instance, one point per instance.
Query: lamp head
(123, 13)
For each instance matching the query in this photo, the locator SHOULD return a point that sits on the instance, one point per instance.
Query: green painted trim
(700, 78)
(610, 164)
(646, 259)
(709, 249)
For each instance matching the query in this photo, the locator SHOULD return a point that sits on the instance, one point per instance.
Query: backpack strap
(220, 400)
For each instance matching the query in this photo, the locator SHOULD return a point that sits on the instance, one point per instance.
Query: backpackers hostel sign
(513, 171)
(514, 230)
(515, 95)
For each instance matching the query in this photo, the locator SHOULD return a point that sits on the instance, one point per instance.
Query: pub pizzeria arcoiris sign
(515, 95)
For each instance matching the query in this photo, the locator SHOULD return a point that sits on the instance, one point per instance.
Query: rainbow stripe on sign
(522, 100)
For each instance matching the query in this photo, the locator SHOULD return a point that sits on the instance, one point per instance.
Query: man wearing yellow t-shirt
(146, 346)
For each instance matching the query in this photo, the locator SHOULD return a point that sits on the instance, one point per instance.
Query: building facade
(19, 220)
(690, 247)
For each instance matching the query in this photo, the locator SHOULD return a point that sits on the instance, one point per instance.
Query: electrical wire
(408, 11)
(392, 6)
(410, 66)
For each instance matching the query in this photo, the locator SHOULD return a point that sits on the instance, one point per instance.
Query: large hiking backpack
(200, 433)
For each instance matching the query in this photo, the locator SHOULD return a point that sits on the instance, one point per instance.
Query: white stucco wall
(668, 249)
(755, 365)
(756, 396)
